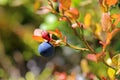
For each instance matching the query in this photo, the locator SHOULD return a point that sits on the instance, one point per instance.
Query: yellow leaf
(111, 73)
(98, 29)
(84, 66)
(116, 60)
(87, 20)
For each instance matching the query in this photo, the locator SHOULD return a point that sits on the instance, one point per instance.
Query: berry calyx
(46, 49)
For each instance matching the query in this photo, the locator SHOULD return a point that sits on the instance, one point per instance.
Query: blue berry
(46, 49)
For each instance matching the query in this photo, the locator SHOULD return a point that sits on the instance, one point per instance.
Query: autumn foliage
(104, 32)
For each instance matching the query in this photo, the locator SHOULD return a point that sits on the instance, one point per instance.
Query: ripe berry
(45, 35)
(46, 49)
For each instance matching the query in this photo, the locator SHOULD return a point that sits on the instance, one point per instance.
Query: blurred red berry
(61, 75)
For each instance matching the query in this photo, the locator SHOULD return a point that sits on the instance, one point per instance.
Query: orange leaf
(36, 5)
(100, 56)
(111, 35)
(115, 16)
(56, 33)
(111, 2)
(65, 4)
(73, 13)
(103, 5)
(38, 38)
(63, 18)
(117, 21)
(115, 31)
(37, 35)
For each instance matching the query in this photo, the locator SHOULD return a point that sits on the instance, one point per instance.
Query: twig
(108, 65)
(77, 48)
(84, 40)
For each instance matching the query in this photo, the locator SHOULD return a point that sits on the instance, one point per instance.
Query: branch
(77, 48)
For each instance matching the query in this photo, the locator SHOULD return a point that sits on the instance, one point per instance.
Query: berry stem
(77, 48)
(108, 65)
(84, 40)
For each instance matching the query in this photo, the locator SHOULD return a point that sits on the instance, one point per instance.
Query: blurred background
(19, 57)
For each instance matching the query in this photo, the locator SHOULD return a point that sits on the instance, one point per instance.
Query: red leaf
(106, 22)
(92, 57)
